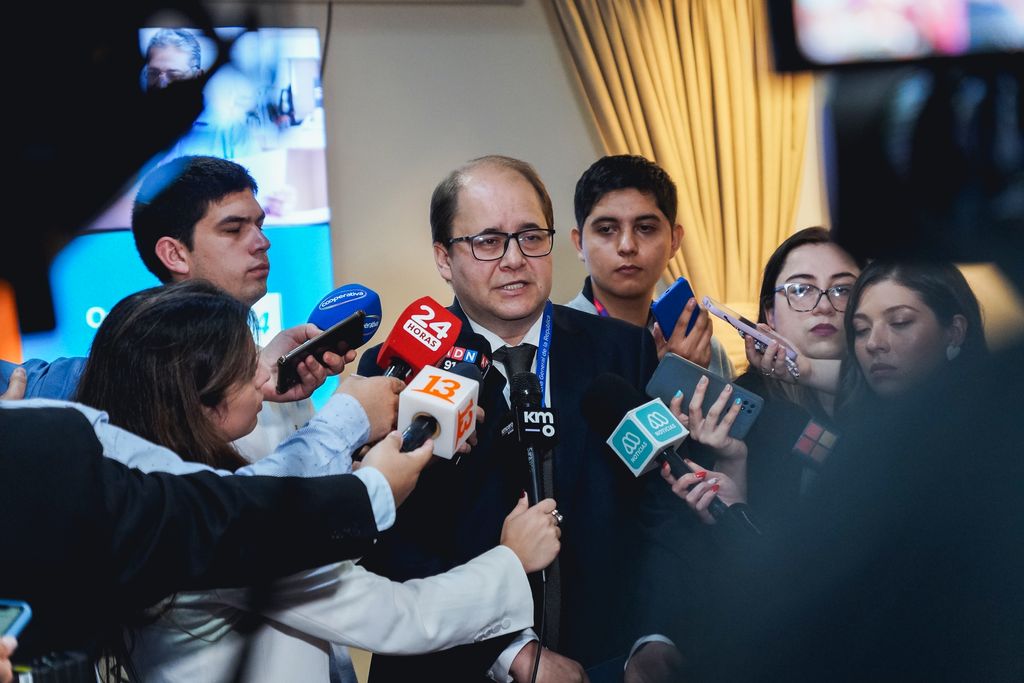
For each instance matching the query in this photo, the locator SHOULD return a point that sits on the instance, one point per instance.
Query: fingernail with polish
(700, 475)
(715, 488)
(738, 401)
(679, 392)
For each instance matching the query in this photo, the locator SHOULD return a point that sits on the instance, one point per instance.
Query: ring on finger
(558, 517)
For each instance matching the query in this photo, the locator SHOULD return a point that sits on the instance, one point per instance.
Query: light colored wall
(412, 91)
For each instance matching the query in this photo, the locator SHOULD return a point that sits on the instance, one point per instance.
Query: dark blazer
(89, 542)
(457, 509)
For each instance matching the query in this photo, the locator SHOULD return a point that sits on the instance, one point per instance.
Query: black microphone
(608, 400)
(525, 396)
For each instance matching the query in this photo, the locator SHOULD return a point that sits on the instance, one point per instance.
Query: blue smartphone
(669, 306)
(14, 614)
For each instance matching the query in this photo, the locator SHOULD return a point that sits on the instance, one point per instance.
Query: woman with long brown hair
(178, 365)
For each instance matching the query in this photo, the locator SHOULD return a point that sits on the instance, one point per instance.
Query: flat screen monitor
(263, 110)
(831, 33)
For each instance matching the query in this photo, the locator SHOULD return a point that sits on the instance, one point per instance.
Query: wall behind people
(412, 90)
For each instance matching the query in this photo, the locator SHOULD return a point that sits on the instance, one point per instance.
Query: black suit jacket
(88, 541)
(611, 518)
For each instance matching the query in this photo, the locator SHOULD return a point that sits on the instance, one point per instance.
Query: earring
(952, 351)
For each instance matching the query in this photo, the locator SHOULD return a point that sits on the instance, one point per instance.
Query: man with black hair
(197, 217)
(492, 229)
(626, 233)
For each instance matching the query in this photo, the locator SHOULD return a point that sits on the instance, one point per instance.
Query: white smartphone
(748, 329)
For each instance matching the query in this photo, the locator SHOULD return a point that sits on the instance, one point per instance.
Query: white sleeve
(345, 604)
(323, 447)
(501, 670)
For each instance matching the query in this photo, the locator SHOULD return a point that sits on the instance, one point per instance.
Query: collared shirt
(532, 337)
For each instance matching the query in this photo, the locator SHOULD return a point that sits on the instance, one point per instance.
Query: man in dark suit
(491, 224)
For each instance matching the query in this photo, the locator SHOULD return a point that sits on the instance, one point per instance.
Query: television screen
(263, 110)
(843, 32)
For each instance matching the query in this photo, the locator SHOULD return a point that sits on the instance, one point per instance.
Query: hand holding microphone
(379, 398)
(401, 469)
(700, 487)
(532, 533)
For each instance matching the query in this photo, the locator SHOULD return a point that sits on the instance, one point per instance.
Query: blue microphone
(343, 302)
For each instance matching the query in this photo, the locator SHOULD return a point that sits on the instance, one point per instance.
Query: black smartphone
(340, 338)
(678, 374)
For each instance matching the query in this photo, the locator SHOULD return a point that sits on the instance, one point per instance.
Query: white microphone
(440, 405)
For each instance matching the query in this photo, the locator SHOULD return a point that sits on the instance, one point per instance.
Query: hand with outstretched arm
(700, 487)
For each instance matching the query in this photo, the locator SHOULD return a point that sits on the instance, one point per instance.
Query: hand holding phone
(14, 615)
(747, 328)
(669, 306)
(678, 374)
(340, 339)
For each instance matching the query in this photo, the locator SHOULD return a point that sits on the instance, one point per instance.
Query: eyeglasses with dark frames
(491, 246)
(803, 297)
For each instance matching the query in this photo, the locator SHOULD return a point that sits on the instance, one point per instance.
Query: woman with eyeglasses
(804, 293)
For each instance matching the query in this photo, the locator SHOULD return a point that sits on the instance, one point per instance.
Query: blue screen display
(98, 269)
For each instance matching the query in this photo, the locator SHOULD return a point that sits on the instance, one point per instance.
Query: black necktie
(516, 359)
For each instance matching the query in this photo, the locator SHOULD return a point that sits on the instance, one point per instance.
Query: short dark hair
(164, 353)
(444, 203)
(624, 172)
(176, 196)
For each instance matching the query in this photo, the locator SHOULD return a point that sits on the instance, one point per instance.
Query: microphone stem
(421, 429)
(533, 490)
(737, 514)
(398, 368)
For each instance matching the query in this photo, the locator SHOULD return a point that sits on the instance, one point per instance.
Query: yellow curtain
(689, 84)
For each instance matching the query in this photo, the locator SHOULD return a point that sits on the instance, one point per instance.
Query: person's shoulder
(582, 303)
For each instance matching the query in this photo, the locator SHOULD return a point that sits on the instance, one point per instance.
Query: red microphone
(424, 333)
